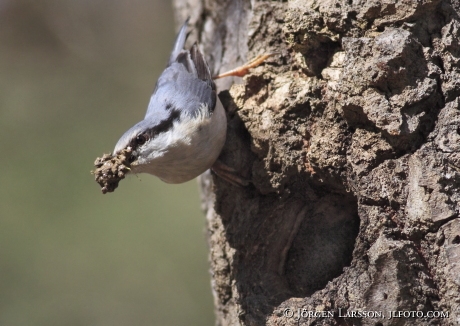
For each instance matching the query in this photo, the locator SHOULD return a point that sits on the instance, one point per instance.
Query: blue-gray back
(185, 85)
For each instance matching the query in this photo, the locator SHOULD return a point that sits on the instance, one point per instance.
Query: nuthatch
(185, 126)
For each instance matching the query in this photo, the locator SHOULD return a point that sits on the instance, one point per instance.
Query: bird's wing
(179, 90)
(185, 85)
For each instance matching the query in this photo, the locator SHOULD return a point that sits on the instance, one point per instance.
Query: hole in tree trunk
(323, 245)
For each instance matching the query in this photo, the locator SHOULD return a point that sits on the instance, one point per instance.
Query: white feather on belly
(192, 146)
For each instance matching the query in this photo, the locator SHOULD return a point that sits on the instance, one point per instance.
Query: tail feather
(180, 42)
(201, 65)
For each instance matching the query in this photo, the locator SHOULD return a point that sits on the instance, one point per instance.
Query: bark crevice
(351, 140)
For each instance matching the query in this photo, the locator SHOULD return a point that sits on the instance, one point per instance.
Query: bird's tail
(180, 42)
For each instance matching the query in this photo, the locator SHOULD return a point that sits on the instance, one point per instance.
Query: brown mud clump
(111, 169)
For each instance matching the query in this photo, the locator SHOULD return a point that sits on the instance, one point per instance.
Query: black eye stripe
(141, 139)
(162, 126)
(165, 125)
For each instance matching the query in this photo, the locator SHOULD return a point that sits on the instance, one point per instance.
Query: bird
(184, 129)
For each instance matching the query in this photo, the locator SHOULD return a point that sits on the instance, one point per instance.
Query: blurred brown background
(74, 75)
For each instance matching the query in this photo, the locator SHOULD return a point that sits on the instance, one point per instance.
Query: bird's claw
(244, 69)
(229, 174)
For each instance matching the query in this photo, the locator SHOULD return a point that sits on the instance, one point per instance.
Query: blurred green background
(74, 75)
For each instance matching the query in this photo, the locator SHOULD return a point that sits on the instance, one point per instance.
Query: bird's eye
(141, 139)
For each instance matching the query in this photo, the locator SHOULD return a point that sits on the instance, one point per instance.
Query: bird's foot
(244, 69)
(229, 174)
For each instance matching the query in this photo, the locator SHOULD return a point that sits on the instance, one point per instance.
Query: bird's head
(137, 138)
(149, 139)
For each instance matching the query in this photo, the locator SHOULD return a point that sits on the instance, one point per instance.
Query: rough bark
(351, 137)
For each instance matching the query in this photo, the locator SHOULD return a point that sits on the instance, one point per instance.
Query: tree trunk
(351, 138)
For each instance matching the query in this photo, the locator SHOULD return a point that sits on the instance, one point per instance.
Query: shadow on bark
(350, 138)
